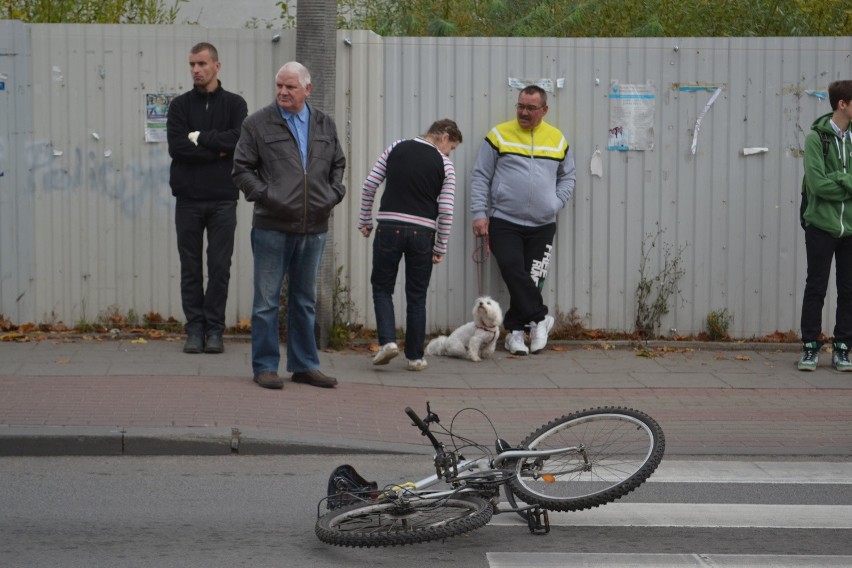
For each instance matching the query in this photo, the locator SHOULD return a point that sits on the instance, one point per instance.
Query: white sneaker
(515, 343)
(417, 364)
(387, 352)
(539, 332)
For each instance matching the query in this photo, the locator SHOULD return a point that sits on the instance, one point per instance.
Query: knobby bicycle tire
(621, 448)
(387, 523)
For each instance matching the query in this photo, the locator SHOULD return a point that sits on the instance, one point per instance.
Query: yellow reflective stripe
(513, 140)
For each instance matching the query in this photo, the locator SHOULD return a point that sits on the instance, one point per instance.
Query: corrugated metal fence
(91, 218)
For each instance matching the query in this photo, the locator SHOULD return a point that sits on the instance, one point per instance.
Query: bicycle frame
(447, 468)
(468, 465)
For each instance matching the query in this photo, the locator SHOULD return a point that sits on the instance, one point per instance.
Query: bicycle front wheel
(390, 523)
(617, 449)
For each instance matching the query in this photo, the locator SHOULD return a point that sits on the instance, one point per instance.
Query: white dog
(474, 340)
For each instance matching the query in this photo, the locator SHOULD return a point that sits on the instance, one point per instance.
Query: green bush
(718, 324)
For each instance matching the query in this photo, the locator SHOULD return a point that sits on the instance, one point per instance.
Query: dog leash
(480, 256)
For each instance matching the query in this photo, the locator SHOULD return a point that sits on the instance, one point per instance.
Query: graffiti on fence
(132, 186)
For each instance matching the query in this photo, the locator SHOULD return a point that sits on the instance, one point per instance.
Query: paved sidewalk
(106, 397)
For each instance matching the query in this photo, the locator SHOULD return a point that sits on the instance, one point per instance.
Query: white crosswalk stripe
(604, 560)
(699, 515)
(745, 516)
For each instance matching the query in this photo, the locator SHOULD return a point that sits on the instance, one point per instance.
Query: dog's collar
(492, 330)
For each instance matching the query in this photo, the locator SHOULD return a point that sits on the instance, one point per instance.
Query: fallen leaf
(13, 336)
(743, 358)
(642, 352)
(140, 340)
(559, 348)
(63, 361)
(720, 357)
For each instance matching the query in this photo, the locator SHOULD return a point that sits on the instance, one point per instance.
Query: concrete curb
(83, 441)
(52, 441)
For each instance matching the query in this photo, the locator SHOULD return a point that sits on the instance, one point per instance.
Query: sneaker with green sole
(810, 356)
(840, 357)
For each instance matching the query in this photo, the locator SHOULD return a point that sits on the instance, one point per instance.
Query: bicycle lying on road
(579, 461)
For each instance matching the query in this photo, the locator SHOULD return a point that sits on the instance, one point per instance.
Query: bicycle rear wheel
(389, 523)
(618, 449)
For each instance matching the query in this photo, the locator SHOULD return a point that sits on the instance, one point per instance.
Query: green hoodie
(828, 180)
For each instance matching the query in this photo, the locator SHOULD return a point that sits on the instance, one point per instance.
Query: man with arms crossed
(203, 126)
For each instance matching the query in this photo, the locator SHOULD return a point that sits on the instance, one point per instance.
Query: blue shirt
(298, 124)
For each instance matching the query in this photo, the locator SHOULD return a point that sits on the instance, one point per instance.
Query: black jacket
(268, 170)
(203, 172)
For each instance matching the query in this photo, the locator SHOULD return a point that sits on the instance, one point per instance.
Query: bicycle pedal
(538, 521)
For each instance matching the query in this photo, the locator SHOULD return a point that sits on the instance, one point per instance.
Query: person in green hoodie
(827, 219)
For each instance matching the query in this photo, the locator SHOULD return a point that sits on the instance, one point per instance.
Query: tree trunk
(316, 49)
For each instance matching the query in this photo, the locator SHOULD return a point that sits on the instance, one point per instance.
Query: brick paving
(119, 396)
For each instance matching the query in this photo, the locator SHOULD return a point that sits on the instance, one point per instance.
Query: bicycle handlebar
(424, 429)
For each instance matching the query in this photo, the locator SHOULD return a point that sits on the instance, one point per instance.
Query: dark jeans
(205, 311)
(517, 250)
(821, 247)
(393, 241)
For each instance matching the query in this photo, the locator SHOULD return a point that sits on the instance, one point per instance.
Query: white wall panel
(360, 118)
(16, 199)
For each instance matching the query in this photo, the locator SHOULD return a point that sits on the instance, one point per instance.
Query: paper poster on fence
(631, 117)
(156, 110)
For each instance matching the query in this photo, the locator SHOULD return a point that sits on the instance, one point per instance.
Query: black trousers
(205, 311)
(821, 248)
(523, 255)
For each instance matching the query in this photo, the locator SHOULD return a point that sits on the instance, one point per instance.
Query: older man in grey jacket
(290, 164)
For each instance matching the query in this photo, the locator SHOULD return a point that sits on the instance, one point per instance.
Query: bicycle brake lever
(431, 416)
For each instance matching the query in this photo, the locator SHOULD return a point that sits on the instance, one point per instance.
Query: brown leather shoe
(315, 378)
(269, 380)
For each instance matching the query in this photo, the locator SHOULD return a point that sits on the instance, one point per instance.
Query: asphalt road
(260, 511)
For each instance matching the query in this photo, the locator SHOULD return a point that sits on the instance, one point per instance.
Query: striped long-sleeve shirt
(420, 185)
